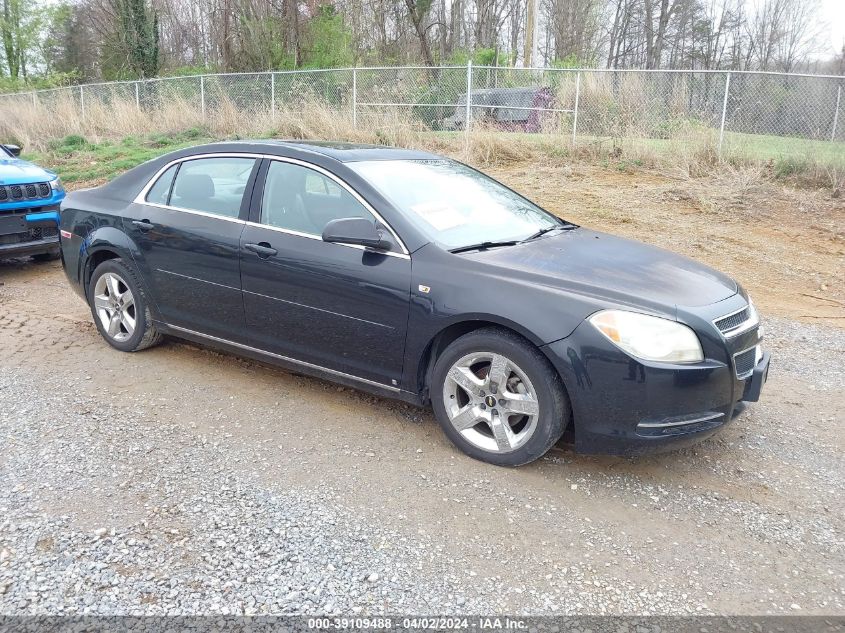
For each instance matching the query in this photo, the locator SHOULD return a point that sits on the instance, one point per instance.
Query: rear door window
(212, 185)
(159, 193)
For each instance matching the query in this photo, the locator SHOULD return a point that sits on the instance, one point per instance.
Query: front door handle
(262, 249)
(144, 225)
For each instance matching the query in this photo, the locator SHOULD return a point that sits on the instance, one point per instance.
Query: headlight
(56, 185)
(648, 337)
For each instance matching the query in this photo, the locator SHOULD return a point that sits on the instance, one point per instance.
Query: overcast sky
(833, 15)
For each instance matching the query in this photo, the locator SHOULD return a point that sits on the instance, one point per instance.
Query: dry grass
(36, 125)
(689, 152)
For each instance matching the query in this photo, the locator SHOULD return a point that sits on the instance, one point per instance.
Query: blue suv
(29, 207)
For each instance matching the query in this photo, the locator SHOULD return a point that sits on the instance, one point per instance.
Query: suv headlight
(648, 337)
(56, 185)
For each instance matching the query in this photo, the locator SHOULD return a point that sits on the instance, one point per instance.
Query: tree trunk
(417, 18)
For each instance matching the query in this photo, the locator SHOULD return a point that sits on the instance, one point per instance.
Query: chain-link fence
(764, 114)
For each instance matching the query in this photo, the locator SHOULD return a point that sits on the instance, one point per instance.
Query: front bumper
(624, 406)
(25, 249)
(29, 232)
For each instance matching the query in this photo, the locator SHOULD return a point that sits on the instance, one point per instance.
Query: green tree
(329, 41)
(20, 25)
(133, 47)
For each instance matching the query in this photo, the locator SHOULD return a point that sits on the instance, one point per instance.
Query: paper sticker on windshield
(440, 216)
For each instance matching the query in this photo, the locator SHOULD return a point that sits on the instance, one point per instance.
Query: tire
(110, 305)
(472, 408)
(46, 257)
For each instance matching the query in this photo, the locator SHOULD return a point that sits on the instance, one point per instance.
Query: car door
(187, 227)
(337, 306)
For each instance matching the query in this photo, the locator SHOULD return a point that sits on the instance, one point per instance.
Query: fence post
(35, 100)
(354, 97)
(836, 113)
(82, 102)
(577, 98)
(724, 112)
(469, 96)
(273, 95)
(138, 95)
(202, 95)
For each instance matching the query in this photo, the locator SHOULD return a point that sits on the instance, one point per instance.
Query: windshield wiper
(549, 229)
(481, 246)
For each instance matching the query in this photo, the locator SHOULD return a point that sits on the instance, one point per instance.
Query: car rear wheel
(498, 398)
(120, 308)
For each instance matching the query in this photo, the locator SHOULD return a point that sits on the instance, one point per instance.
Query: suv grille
(35, 234)
(744, 362)
(25, 193)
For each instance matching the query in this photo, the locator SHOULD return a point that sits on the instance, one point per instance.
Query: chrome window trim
(141, 198)
(318, 238)
(204, 214)
(751, 323)
(342, 183)
(333, 372)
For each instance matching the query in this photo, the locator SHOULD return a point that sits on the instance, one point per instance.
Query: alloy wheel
(491, 402)
(115, 306)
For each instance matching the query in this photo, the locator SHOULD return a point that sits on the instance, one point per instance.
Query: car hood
(14, 171)
(614, 268)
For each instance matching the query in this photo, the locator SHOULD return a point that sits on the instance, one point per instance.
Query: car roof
(337, 150)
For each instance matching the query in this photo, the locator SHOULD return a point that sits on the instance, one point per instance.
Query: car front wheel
(498, 398)
(120, 308)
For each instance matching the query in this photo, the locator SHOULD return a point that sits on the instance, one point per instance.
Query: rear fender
(101, 240)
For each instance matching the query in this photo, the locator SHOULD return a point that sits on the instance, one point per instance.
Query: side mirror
(14, 150)
(356, 231)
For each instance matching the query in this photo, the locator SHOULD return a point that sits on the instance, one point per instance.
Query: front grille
(744, 362)
(25, 193)
(34, 234)
(733, 321)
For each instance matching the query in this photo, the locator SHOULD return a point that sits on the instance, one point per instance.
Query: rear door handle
(144, 225)
(262, 249)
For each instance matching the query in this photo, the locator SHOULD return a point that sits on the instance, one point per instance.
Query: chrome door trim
(288, 359)
(204, 214)
(311, 236)
(302, 305)
(141, 198)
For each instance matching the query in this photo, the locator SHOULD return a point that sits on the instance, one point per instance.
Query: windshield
(4, 152)
(455, 205)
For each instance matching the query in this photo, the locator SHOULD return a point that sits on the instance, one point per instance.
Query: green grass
(778, 148)
(798, 153)
(77, 160)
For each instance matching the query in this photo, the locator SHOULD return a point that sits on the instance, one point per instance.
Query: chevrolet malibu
(416, 277)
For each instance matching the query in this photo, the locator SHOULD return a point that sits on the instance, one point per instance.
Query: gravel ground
(182, 481)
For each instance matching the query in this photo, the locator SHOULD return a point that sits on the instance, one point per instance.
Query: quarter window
(159, 193)
(212, 185)
(301, 199)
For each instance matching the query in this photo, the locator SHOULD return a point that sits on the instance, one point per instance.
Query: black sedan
(416, 277)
